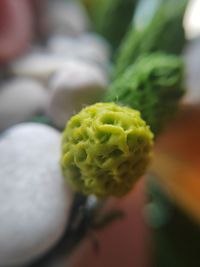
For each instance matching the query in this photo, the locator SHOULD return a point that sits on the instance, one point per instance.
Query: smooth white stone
(192, 63)
(73, 87)
(95, 47)
(191, 20)
(38, 65)
(89, 47)
(35, 200)
(20, 99)
(67, 17)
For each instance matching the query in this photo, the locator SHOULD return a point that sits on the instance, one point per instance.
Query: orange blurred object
(177, 161)
(181, 138)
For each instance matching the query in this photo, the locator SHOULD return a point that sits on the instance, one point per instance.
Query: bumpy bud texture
(153, 85)
(105, 149)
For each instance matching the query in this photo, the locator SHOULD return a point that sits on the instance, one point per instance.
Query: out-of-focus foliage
(112, 18)
(157, 26)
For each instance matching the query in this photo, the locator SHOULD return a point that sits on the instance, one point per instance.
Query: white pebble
(37, 65)
(67, 17)
(191, 19)
(35, 200)
(90, 47)
(76, 85)
(192, 62)
(20, 99)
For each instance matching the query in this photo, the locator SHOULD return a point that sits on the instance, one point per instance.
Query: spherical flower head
(105, 149)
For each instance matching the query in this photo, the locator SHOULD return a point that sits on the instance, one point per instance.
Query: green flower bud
(153, 85)
(105, 149)
(164, 32)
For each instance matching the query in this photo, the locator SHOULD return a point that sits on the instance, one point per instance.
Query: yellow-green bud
(105, 149)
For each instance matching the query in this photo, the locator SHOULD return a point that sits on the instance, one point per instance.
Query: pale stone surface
(35, 200)
(90, 47)
(192, 63)
(191, 20)
(38, 65)
(73, 87)
(67, 17)
(19, 100)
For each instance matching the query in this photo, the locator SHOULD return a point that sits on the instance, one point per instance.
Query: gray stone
(76, 85)
(67, 17)
(192, 63)
(90, 47)
(39, 65)
(19, 100)
(35, 200)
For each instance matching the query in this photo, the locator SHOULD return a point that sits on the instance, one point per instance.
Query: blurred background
(57, 56)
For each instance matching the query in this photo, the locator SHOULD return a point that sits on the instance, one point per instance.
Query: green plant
(153, 85)
(105, 149)
(164, 32)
